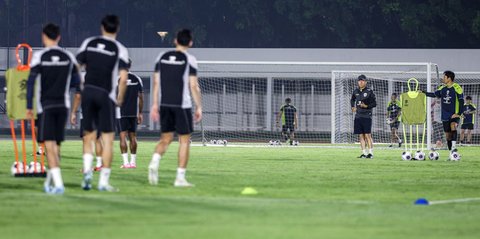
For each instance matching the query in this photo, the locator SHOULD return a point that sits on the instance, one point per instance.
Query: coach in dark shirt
(363, 101)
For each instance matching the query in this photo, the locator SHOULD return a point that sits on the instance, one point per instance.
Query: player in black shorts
(469, 111)
(55, 69)
(288, 115)
(103, 58)
(175, 79)
(73, 121)
(362, 102)
(130, 117)
(393, 114)
(451, 95)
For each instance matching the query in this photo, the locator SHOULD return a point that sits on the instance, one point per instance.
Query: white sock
(57, 177)
(125, 158)
(48, 179)
(155, 160)
(133, 158)
(104, 177)
(453, 144)
(87, 163)
(364, 152)
(181, 173)
(99, 162)
(370, 151)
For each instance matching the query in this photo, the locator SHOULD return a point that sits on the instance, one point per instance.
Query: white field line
(460, 200)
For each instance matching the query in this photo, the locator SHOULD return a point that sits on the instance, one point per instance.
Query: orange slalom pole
(24, 149)
(34, 143)
(15, 148)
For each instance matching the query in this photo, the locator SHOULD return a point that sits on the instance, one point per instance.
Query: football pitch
(302, 193)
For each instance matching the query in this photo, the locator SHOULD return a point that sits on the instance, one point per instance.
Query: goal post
(241, 99)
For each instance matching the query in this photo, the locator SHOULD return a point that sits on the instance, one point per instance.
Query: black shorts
(81, 130)
(446, 124)
(394, 125)
(127, 124)
(467, 126)
(362, 126)
(51, 125)
(98, 111)
(176, 119)
(288, 127)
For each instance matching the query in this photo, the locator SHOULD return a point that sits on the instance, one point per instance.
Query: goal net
(241, 100)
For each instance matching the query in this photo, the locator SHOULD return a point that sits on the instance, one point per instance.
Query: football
(31, 168)
(433, 155)
(13, 169)
(406, 156)
(419, 155)
(455, 156)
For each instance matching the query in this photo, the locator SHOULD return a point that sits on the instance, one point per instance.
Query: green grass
(303, 193)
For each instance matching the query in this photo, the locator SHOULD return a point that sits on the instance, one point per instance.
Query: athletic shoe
(152, 174)
(133, 165)
(56, 191)
(47, 188)
(87, 181)
(370, 156)
(390, 146)
(362, 156)
(125, 166)
(182, 183)
(108, 188)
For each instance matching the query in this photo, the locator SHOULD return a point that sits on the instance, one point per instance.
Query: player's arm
(154, 113)
(436, 94)
(352, 102)
(76, 103)
(140, 107)
(372, 102)
(197, 97)
(279, 115)
(34, 71)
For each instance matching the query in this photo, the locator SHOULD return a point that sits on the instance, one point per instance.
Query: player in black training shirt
(130, 116)
(55, 69)
(362, 102)
(103, 57)
(174, 79)
(289, 117)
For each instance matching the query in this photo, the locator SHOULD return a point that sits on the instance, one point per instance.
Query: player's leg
(162, 146)
(357, 129)
(98, 152)
(124, 149)
(53, 135)
(285, 133)
(367, 130)
(292, 134)
(184, 128)
(167, 122)
(132, 138)
(453, 131)
(54, 167)
(89, 123)
(183, 156)
(462, 135)
(469, 134)
(107, 127)
(448, 135)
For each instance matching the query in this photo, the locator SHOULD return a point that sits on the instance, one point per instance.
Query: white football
(419, 155)
(296, 143)
(31, 168)
(224, 142)
(455, 156)
(13, 169)
(433, 155)
(406, 156)
(271, 142)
